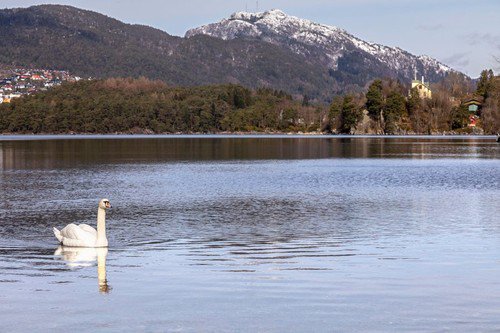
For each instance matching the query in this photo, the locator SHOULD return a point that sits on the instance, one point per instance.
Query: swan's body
(83, 235)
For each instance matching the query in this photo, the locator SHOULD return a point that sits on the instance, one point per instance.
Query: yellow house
(424, 90)
(8, 98)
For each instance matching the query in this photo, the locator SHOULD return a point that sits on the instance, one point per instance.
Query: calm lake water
(252, 234)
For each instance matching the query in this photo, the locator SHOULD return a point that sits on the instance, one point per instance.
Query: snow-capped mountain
(332, 46)
(271, 50)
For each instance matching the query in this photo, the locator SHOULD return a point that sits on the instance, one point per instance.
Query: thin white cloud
(458, 60)
(476, 38)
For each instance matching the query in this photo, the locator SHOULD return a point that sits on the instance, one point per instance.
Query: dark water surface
(252, 234)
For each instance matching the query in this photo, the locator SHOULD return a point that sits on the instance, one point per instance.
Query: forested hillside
(145, 106)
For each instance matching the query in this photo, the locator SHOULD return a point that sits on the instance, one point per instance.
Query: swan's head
(104, 204)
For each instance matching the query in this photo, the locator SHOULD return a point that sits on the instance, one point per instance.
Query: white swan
(83, 235)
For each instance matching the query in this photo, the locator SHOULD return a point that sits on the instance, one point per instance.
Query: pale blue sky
(464, 34)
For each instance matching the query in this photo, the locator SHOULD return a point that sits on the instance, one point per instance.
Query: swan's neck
(101, 227)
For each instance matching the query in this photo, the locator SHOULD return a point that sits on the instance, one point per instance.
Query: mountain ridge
(90, 44)
(276, 27)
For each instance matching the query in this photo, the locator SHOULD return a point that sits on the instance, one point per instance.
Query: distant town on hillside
(15, 83)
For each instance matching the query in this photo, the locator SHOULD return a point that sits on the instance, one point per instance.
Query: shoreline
(283, 135)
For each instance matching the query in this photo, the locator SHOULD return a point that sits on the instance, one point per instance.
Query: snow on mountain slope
(311, 39)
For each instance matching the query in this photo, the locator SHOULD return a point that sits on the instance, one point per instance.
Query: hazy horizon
(449, 31)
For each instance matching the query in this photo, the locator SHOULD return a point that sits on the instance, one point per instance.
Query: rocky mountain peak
(252, 17)
(329, 43)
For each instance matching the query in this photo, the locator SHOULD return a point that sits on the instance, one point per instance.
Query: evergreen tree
(490, 112)
(395, 108)
(485, 83)
(459, 117)
(334, 113)
(350, 115)
(375, 100)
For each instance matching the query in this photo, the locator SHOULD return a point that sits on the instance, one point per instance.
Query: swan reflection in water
(76, 257)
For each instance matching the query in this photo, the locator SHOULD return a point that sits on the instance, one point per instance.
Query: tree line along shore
(126, 105)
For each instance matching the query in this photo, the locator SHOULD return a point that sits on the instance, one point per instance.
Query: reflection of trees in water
(77, 257)
(45, 154)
